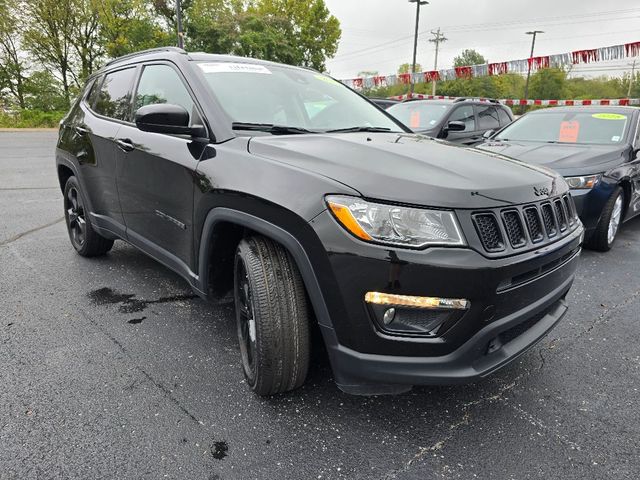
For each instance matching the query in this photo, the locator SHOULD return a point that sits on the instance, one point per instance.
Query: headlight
(588, 181)
(393, 225)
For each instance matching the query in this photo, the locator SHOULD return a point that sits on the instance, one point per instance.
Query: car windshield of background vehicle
(306, 100)
(568, 127)
(419, 116)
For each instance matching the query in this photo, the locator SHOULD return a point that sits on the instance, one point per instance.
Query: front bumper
(505, 319)
(590, 203)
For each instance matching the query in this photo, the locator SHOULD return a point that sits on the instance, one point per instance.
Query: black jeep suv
(421, 262)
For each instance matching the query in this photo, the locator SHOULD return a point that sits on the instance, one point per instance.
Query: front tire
(608, 227)
(84, 238)
(272, 317)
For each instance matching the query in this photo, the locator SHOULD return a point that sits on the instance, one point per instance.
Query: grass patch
(30, 119)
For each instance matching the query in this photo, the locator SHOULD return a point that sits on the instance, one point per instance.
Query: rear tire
(84, 238)
(272, 317)
(604, 236)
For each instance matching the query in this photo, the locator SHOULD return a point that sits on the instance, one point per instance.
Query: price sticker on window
(569, 132)
(414, 121)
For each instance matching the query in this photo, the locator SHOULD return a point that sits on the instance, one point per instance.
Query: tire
(272, 317)
(604, 236)
(84, 238)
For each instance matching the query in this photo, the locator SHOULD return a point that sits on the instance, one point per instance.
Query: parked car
(463, 120)
(384, 103)
(595, 149)
(410, 253)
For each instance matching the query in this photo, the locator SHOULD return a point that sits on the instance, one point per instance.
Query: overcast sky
(378, 34)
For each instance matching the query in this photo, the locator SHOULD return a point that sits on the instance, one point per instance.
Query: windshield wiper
(359, 129)
(270, 128)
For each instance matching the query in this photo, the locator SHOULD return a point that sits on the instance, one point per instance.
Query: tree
(13, 68)
(469, 57)
(548, 83)
(406, 68)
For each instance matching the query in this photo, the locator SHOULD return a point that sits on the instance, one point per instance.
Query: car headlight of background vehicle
(586, 181)
(394, 225)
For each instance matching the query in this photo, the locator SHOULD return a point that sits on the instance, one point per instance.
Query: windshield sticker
(326, 79)
(414, 121)
(615, 138)
(569, 132)
(234, 68)
(609, 116)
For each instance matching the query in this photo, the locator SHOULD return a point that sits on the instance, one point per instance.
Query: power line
(490, 26)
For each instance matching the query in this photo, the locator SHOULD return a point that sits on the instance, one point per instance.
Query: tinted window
(464, 114)
(504, 117)
(280, 95)
(419, 115)
(114, 99)
(488, 117)
(93, 93)
(162, 84)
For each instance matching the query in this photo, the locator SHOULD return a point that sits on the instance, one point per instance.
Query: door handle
(80, 130)
(125, 144)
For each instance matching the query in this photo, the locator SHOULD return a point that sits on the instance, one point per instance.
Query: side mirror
(456, 126)
(488, 134)
(165, 118)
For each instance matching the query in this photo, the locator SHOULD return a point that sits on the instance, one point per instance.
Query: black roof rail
(143, 52)
(477, 99)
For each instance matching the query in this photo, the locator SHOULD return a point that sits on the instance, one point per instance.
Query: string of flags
(512, 102)
(615, 52)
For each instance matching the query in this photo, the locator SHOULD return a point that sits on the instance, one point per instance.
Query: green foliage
(548, 83)
(406, 68)
(468, 57)
(31, 119)
(49, 47)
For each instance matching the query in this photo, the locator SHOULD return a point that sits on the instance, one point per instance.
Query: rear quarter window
(114, 97)
(92, 94)
(505, 118)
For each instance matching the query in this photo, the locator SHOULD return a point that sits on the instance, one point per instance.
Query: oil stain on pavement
(219, 450)
(128, 302)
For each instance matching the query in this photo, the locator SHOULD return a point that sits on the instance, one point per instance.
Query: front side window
(291, 97)
(162, 84)
(488, 118)
(465, 115)
(114, 98)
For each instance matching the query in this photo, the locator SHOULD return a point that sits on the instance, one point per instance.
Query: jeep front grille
(526, 226)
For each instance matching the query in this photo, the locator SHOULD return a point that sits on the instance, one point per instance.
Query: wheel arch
(64, 173)
(625, 183)
(228, 225)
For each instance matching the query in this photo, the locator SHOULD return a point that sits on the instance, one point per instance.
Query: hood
(412, 169)
(568, 159)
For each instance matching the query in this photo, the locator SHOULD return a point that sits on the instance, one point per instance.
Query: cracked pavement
(111, 369)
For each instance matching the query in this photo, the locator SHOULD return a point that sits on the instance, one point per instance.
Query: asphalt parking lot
(111, 368)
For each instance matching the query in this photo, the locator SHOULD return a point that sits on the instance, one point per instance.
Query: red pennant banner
(358, 82)
(464, 72)
(498, 68)
(379, 80)
(632, 49)
(432, 76)
(538, 62)
(585, 56)
(405, 78)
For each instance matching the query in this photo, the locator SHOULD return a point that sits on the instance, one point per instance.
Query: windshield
(291, 97)
(419, 116)
(568, 127)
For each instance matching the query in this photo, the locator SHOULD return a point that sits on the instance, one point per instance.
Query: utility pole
(437, 39)
(533, 46)
(415, 39)
(179, 22)
(633, 73)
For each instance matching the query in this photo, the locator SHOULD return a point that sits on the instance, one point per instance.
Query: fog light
(388, 316)
(378, 298)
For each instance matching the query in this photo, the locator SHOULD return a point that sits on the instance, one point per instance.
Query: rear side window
(464, 114)
(488, 117)
(93, 92)
(162, 84)
(114, 97)
(504, 117)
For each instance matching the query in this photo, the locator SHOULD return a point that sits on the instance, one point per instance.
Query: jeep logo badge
(541, 192)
